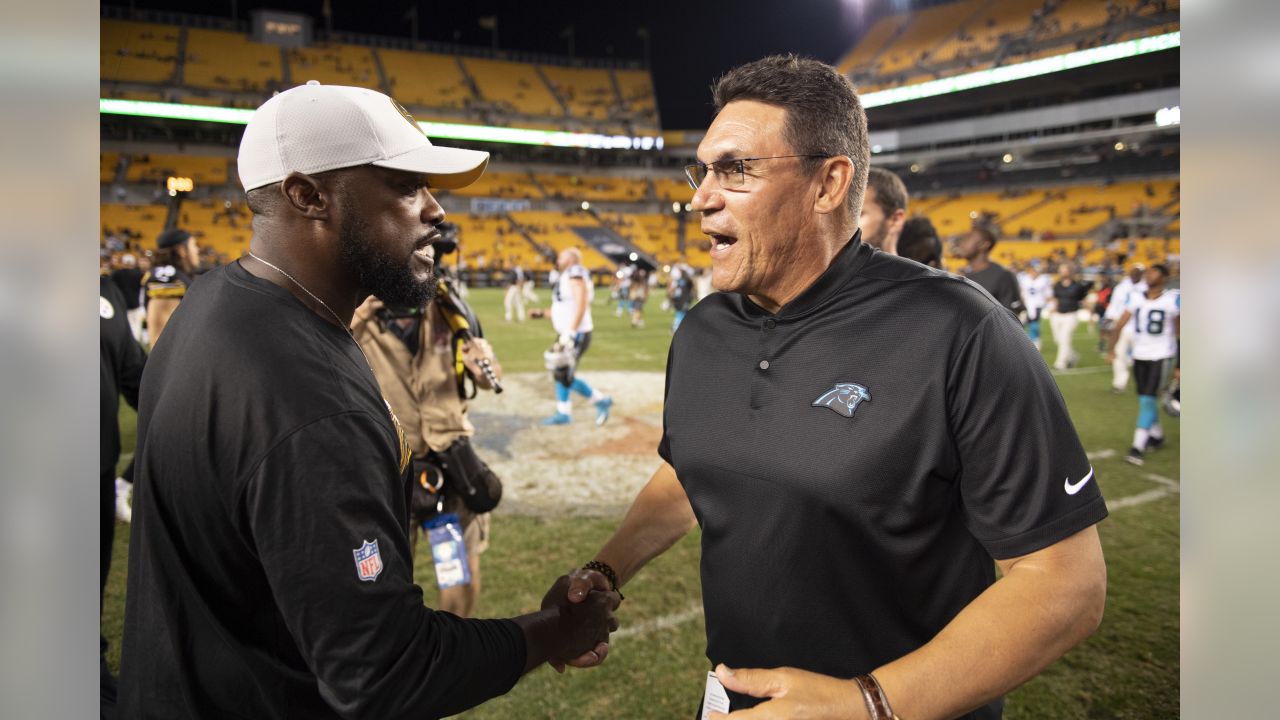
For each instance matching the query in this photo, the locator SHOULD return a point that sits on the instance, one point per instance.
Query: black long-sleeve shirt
(269, 571)
(120, 371)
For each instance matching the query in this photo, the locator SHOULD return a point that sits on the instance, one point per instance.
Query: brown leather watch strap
(877, 702)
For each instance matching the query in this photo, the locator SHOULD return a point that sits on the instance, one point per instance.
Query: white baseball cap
(313, 128)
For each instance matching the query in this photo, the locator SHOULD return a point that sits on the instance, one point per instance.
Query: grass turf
(1128, 669)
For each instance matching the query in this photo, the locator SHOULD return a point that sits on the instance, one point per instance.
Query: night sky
(693, 42)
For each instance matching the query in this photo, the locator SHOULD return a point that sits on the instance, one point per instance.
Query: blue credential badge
(448, 550)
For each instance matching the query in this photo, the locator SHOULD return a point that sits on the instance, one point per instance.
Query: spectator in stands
(883, 210)
(975, 247)
(272, 576)
(919, 241)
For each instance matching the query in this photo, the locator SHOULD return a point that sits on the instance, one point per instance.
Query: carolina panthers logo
(843, 398)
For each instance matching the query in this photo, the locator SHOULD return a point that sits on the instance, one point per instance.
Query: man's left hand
(793, 694)
(473, 351)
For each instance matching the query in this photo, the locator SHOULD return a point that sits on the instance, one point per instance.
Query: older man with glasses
(841, 423)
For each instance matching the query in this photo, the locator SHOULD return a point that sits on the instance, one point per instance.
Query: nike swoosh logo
(1073, 489)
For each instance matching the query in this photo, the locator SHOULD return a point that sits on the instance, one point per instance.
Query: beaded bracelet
(604, 569)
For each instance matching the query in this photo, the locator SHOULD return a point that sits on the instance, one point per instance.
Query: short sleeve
(326, 514)
(1025, 481)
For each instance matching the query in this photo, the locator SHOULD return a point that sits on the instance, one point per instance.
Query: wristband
(604, 569)
(873, 695)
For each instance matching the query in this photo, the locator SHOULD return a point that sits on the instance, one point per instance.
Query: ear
(834, 181)
(306, 195)
(897, 220)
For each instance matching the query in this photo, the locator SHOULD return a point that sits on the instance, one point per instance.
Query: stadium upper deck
(969, 35)
(175, 63)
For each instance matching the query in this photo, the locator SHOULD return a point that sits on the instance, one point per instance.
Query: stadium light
(443, 131)
(586, 206)
(1169, 116)
(1021, 71)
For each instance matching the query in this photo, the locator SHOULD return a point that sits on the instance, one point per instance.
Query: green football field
(656, 668)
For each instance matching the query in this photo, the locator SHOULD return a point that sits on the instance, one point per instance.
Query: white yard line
(662, 622)
(1082, 371)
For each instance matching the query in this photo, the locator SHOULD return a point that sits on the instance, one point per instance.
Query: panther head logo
(844, 398)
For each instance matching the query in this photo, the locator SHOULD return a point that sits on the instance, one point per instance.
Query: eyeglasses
(730, 173)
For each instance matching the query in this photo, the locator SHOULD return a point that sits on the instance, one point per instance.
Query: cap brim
(445, 167)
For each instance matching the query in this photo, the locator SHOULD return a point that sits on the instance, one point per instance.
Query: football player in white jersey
(571, 296)
(1132, 284)
(1156, 316)
(1036, 291)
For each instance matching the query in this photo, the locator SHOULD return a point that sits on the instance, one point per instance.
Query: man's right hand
(584, 621)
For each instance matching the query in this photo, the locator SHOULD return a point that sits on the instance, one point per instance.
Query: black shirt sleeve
(1022, 462)
(317, 497)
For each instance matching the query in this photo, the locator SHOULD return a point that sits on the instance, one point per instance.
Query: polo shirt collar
(847, 262)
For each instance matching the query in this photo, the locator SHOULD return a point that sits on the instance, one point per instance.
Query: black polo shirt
(840, 534)
(1069, 295)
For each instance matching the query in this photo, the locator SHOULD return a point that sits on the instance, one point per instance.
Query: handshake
(573, 626)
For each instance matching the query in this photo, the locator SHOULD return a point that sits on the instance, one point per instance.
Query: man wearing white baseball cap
(269, 571)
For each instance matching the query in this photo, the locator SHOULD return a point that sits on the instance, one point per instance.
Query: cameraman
(413, 355)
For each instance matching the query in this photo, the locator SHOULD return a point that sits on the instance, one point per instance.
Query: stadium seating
(910, 48)
(553, 229)
(492, 242)
(334, 64)
(876, 39)
(592, 187)
(669, 189)
(925, 30)
(108, 162)
(637, 91)
(140, 222)
(425, 79)
(982, 34)
(588, 93)
(221, 226)
(500, 184)
(1061, 212)
(138, 52)
(155, 168)
(513, 86)
(230, 61)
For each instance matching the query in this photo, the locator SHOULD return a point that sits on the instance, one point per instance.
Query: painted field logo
(844, 398)
(368, 561)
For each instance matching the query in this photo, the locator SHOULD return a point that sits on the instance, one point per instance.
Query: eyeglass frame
(741, 167)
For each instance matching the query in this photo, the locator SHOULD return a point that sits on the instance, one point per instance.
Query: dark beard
(389, 278)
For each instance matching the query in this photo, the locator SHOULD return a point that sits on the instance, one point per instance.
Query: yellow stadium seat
(425, 79)
(588, 93)
(230, 61)
(514, 86)
(637, 91)
(334, 64)
(156, 167)
(140, 222)
(138, 52)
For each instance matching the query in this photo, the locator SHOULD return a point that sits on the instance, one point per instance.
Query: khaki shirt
(422, 388)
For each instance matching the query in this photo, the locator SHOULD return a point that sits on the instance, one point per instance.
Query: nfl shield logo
(368, 561)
